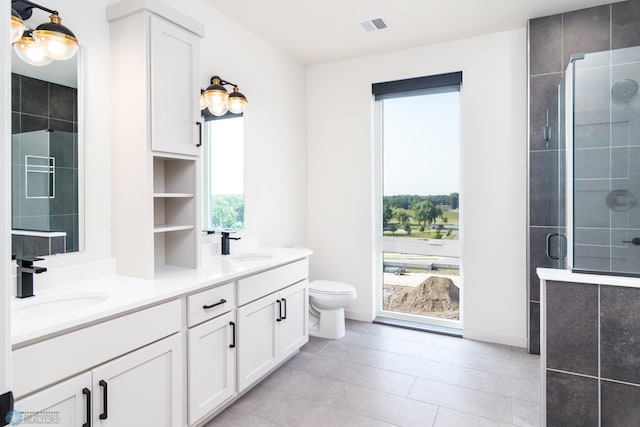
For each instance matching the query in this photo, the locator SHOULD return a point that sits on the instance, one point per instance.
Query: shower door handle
(548, 246)
(634, 241)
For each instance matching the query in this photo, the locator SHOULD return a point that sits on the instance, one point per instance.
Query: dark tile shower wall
(39, 105)
(552, 41)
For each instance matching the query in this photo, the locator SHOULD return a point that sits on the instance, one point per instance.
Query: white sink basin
(249, 257)
(55, 305)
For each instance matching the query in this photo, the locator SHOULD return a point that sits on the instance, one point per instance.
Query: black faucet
(24, 278)
(225, 241)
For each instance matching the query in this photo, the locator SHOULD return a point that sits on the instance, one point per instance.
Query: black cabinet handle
(548, 246)
(233, 335)
(279, 319)
(222, 301)
(199, 124)
(87, 393)
(105, 405)
(284, 304)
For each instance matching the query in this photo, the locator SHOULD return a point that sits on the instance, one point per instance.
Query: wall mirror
(46, 158)
(223, 172)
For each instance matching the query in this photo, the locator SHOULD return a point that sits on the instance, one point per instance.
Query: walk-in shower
(599, 164)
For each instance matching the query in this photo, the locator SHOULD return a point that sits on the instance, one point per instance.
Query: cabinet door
(175, 56)
(212, 365)
(294, 328)
(67, 404)
(257, 339)
(143, 388)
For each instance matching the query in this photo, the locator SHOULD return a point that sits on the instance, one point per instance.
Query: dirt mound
(436, 296)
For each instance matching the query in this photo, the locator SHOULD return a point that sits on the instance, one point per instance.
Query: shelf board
(175, 195)
(164, 228)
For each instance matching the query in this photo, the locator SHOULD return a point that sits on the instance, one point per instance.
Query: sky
(421, 144)
(226, 155)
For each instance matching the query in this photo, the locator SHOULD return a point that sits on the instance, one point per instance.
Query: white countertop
(594, 279)
(125, 294)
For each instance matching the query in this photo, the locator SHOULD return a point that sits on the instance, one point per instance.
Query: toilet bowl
(327, 300)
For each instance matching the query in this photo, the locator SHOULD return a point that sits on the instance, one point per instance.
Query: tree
(422, 228)
(432, 213)
(393, 227)
(445, 219)
(453, 200)
(387, 214)
(438, 234)
(402, 215)
(421, 211)
(407, 228)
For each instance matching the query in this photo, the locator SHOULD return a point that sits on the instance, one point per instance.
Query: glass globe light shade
(216, 94)
(17, 26)
(57, 40)
(203, 101)
(31, 52)
(218, 110)
(237, 101)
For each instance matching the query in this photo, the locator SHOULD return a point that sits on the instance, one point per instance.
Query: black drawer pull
(215, 304)
(284, 304)
(233, 335)
(105, 405)
(199, 124)
(279, 319)
(87, 393)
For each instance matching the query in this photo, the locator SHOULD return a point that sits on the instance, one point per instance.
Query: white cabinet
(67, 404)
(212, 365)
(143, 388)
(154, 64)
(175, 111)
(269, 330)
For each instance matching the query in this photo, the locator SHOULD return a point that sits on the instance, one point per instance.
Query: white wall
(275, 130)
(493, 196)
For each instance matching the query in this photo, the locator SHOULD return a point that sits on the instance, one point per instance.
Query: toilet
(327, 300)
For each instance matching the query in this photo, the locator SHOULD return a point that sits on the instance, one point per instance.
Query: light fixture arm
(223, 82)
(25, 8)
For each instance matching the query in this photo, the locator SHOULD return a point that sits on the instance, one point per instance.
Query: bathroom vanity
(172, 351)
(590, 341)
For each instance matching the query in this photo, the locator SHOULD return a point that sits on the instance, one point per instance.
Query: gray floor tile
(475, 347)
(310, 362)
(362, 355)
(450, 418)
(355, 326)
(403, 334)
(385, 407)
(315, 344)
(505, 385)
(373, 378)
(526, 414)
(289, 411)
(519, 353)
(253, 397)
(301, 384)
(233, 417)
(435, 371)
(515, 368)
(462, 399)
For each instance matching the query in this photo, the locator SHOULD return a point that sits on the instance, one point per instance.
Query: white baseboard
(478, 335)
(361, 317)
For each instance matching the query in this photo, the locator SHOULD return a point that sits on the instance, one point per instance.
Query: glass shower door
(606, 162)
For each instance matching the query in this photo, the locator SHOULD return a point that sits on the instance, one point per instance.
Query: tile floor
(384, 376)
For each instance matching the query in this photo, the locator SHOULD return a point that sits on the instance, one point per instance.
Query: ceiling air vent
(374, 24)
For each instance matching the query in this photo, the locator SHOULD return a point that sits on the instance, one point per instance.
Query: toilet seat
(328, 287)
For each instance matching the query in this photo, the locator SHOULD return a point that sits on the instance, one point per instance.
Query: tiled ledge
(593, 279)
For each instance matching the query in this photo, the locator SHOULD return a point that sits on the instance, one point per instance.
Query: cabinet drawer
(46, 362)
(259, 285)
(209, 304)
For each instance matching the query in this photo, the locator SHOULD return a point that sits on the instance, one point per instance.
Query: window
(419, 193)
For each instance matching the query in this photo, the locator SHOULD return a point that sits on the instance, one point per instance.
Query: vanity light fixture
(219, 101)
(55, 41)
(30, 51)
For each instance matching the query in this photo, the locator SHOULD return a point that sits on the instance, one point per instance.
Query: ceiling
(322, 31)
